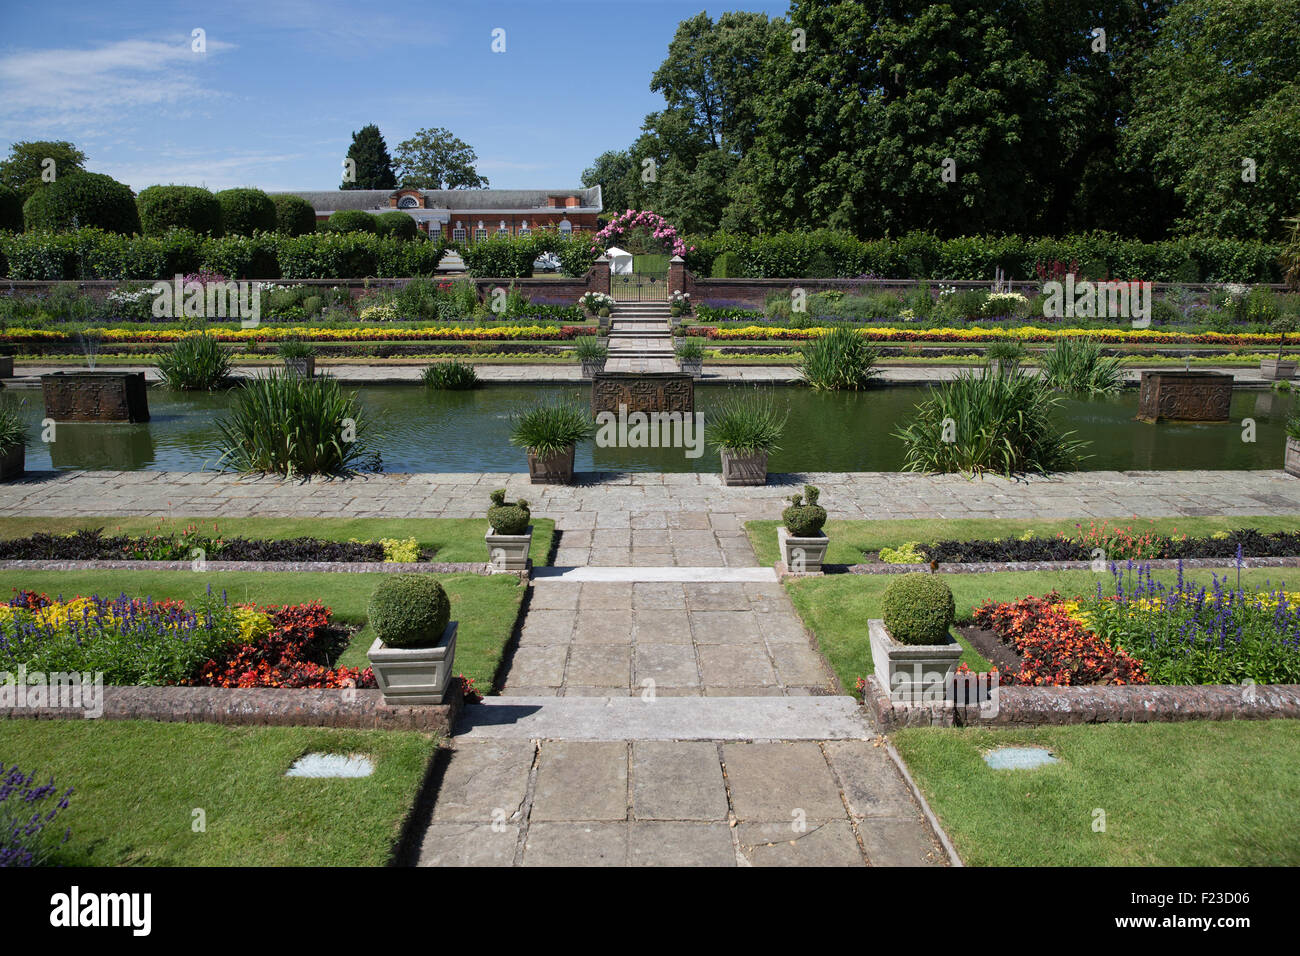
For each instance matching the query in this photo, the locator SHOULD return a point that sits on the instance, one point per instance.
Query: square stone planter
(692, 367)
(744, 469)
(305, 367)
(802, 555)
(414, 675)
(555, 470)
(1277, 370)
(13, 461)
(1292, 461)
(592, 367)
(912, 673)
(6, 366)
(87, 396)
(508, 552)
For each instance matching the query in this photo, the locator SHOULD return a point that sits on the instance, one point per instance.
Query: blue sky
(284, 83)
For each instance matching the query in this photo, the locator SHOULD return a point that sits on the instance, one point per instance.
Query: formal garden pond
(421, 429)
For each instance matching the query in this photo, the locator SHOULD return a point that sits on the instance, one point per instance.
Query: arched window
(408, 202)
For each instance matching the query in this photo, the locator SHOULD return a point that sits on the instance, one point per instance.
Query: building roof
(469, 200)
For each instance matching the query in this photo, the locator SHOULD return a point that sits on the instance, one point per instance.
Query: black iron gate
(639, 287)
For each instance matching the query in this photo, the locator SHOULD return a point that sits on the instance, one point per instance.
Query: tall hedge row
(163, 208)
(11, 210)
(95, 254)
(294, 216)
(246, 211)
(919, 255)
(509, 257)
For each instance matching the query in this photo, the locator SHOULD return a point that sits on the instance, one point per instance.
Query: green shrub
(396, 225)
(804, 520)
(163, 208)
(748, 424)
(294, 216)
(11, 210)
(548, 428)
(80, 200)
(246, 211)
(195, 363)
(918, 609)
(1008, 351)
(355, 220)
(589, 348)
(453, 376)
(291, 425)
(1164, 312)
(294, 348)
(505, 518)
(909, 552)
(988, 423)
(503, 257)
(842, 359)
(1077, 365)
(726, 266)
(312, 305)
(409, 610)
(13, 429)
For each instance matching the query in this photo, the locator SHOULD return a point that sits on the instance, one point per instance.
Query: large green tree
(1220, 94)
(613, 172)
(22, 170)
(374, 167)
(435, 159)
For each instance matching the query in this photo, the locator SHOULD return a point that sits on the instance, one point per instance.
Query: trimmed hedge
(11, 210)
(163, 208)
(918, 609)
(94, 254)
(397, 225)
(409, 610)
(918, 255)
(353, 220)
(88, 199)
(512, 257)
(294, 216)
(246, 211)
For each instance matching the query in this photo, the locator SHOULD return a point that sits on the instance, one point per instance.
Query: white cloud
(208, 169)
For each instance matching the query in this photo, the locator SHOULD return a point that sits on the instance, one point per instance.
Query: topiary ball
(409, 610)
(78, 200)
(918, 609)
(246, 211)
(804, 520)
(508, 519)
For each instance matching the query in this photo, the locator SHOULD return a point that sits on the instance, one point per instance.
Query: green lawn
(456, 540)
(849, 539)
(1185, 794)
(485, 605)
(836, 607)
(137, 785)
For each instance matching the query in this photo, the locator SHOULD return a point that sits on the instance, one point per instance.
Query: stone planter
(802, 555)
(1184, 397)
(6, 366)
(1292, 463)
(744, 469)
(692, 367)
(913, 673)
(305, 367)
(1277, 370)
(95, 396)
(13, 461)
(592, 367)
(555, 470)
(508, 552)
(415, 675)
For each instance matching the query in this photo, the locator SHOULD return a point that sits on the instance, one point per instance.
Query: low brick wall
(1039, 706)
(260, 706)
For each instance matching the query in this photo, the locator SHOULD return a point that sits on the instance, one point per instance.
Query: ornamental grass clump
(508, 518)
(409, 610)
(195, 363)
(842, 359)
(550, 428)
(918, 609)
(989, 423)
(589, 348)
(13, 430)
(451, 376)
(295, 426)
(804, 520)
(748, 425)
(1077, 365)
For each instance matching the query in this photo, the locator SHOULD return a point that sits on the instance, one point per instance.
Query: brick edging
(985, 567)
(1039, 706)
(260, 706)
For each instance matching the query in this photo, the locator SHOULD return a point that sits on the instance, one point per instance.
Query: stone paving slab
(572, 575)
(664, 718)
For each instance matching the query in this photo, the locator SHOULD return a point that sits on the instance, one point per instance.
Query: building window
(502, 230)
(458, 234)
(524, 230)
(408, 202)
(480, 233)
(566, 227)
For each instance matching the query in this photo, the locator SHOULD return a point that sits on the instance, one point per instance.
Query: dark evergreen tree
(374, 169)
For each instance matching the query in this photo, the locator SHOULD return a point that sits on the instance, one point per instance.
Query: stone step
(552, 574)
(665, 718)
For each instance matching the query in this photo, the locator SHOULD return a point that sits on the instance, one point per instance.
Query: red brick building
(471, 214)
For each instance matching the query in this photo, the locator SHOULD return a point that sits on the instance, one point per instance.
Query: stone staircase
(641, 338)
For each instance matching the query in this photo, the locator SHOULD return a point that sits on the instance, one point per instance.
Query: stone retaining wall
(261, 706)
(1038, 706)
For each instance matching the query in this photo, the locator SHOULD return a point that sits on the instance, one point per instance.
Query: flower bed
(93, 545)
(141, 642)
(975, 333)
(264, 333)
(1149, 632)
(1117, 543)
